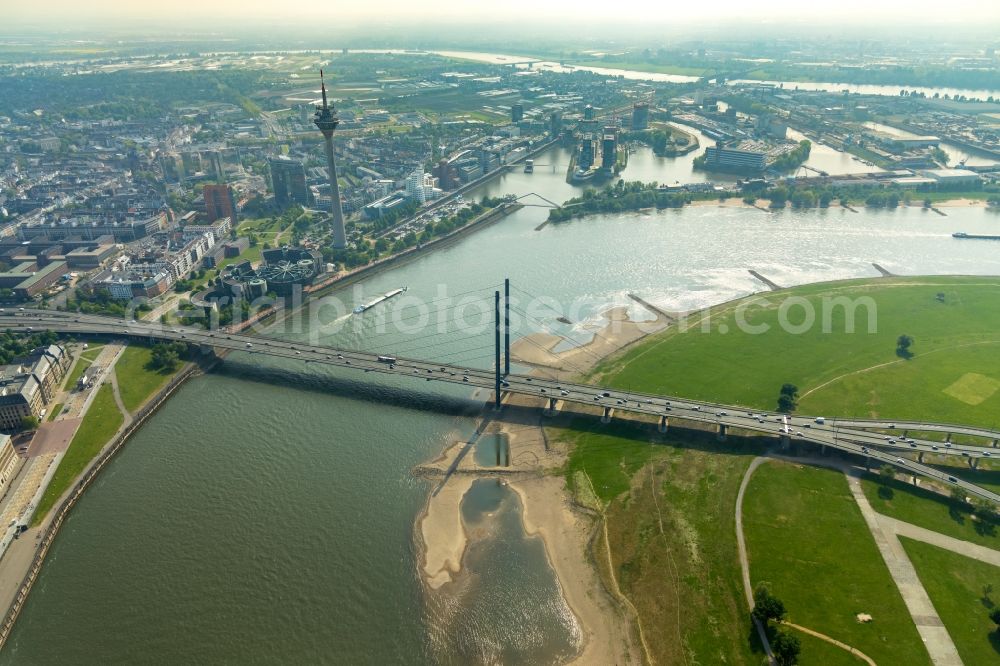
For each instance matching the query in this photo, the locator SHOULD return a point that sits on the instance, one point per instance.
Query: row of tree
(620, 197)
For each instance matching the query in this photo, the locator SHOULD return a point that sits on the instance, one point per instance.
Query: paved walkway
(126, 415)
(936, 639)
(741, 547)
(917, 533)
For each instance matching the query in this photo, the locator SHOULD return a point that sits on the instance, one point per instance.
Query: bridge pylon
(496, 330)
(506, 326)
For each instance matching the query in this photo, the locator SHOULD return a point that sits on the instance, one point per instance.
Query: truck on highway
(386, 359)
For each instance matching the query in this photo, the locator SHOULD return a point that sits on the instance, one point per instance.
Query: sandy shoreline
(548, 510)
(915, 202)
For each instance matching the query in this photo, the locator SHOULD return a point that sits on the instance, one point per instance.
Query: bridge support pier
(664, 424)
(721, 436)
(205, 349)
(920, 457)
(786, 442)
(948, 438)
(974, 463)
(608, 413)
(995, 443)
(868, 464)
(552, 407)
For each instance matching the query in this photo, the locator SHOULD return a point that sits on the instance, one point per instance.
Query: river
(266, 513)
(638, 75)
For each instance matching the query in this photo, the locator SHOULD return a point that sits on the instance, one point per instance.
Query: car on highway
(900, 460)
(953, 479)
(564, 392)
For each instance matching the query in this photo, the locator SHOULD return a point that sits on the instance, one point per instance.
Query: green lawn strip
(957, 586)
(807, 539)
(79, 367)
(56, 409)
(684, 583)
(92, 353)
(98, 427)
(929, 510)
(953, 339)
(136, 381)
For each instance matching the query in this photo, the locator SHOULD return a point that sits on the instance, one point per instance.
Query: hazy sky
(643, 11)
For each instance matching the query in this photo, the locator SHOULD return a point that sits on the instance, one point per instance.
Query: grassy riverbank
(98, 427)
(668, 503)
(839, 371)
(669, 500)
(137, 380)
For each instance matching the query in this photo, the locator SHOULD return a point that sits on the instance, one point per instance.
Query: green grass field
(79, 367)
(806, 538)
(957, 587)
(838, 372)
(929, 510)
(136, 381)
(684, 580)
(92, 352)
(99, 426)
(816, 652)
(54, 412)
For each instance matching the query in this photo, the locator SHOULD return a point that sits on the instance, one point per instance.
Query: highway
(851, 436)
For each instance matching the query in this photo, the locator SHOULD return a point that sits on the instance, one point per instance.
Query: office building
(609, 149)
(516, 113)
(741, 156)
(640, 116)
(288, 180)
(219, 203)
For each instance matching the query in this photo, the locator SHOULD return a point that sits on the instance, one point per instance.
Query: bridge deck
(852, 436)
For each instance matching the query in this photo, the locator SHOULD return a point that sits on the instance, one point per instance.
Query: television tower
(326, 120)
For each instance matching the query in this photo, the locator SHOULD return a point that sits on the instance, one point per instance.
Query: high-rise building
(443, 171)
(326, 120)
(415, 186)
(609, 149)
(288, 179)
(555, 123)
(219, 203)
(640, 116)
(212, 160)
(586, 152)
(191, 162)
(588, 112)
(516, 113)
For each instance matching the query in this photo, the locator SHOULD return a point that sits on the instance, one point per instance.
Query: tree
(995, 617)
(903, 344)
(767, 607)
(786, 648)
(167, 356)
(787, 398)
(29, 422)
